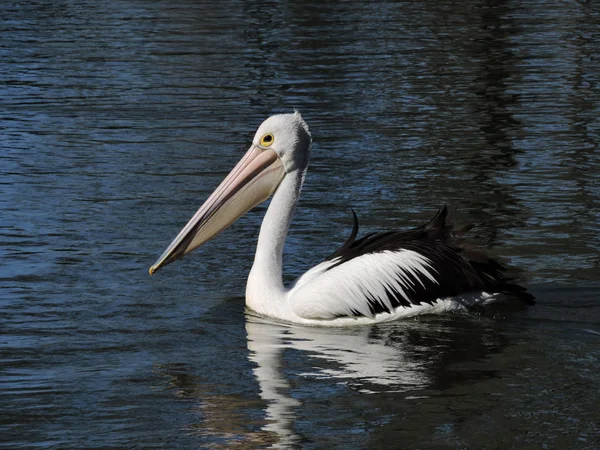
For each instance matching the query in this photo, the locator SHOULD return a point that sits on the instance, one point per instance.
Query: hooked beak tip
(251, 182)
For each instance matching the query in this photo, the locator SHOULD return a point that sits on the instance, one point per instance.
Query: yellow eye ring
(267, 140)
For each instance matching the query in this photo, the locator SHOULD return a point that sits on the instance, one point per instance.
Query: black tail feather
(467, 268)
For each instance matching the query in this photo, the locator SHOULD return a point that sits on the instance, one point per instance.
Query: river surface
(118, 118)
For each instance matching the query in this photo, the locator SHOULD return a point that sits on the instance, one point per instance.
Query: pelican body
(380, 277)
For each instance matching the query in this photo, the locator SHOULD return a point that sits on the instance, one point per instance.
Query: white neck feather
(265, 292)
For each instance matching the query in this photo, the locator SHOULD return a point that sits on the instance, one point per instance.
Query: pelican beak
(250, 183)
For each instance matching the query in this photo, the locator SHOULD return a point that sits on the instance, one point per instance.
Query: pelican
(381, 277)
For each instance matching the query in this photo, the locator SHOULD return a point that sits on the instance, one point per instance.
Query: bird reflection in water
(404, 360)
(301, 370)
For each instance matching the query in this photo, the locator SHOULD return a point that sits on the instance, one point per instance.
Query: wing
(384, 271)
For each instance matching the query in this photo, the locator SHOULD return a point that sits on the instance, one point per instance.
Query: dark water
(118, 118)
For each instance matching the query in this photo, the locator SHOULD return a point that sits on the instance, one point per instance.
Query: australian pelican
(380, 277)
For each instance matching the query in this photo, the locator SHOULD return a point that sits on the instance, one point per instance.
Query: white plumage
(346, 287)
(380, 277)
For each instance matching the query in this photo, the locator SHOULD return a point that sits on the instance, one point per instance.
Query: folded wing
(382, 272)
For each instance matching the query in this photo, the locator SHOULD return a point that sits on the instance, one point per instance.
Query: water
(119, 118)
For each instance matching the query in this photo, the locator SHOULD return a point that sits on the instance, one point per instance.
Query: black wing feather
(340, 251)
(459, 267)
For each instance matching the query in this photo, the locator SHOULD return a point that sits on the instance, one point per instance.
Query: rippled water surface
(118, 118)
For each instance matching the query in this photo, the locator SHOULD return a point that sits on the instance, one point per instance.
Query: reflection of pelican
(354, 356)
(265, 350)
(380, 277)
(351, 357)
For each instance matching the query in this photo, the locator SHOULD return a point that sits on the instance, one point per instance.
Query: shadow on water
(496, 60)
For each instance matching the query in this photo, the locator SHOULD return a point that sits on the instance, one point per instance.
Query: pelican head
(281, 146)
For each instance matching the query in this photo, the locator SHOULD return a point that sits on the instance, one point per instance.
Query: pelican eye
(267, 140)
